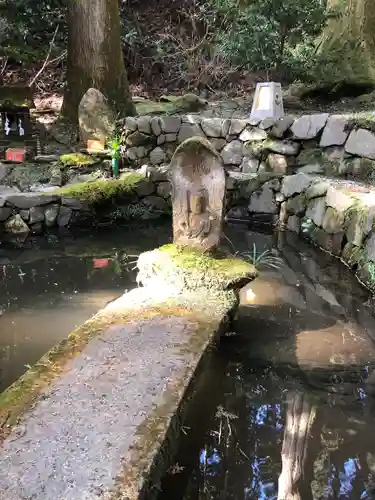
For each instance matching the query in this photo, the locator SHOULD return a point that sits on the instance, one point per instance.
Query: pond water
(295, 375)
(302, 346)
(51, 285)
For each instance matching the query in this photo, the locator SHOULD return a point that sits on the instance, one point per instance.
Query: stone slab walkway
(78, 441)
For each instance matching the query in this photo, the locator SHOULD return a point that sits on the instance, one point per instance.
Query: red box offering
(16, 155)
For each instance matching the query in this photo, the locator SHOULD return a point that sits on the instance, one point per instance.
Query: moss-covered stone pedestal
(199, 280)
(100, 415)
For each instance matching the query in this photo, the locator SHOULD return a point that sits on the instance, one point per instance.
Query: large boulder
(188, 130)
(333, 221)
(96, 118)
(281, 126)
(287, 148)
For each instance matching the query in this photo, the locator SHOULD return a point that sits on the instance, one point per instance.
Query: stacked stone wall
(292, 173)
(22, 213)
(336, 215)
(321, 143)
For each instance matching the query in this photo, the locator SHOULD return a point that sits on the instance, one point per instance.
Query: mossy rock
(365, 99)
(191, 270)
(169, 98)
(102, 190)
(362, 120)
(77, 160)
(310, 156)
(360, 168)
(254, 149)
(365, 273)
(353, 255)
(299, 90)
(136, 139)
(197, 145)
(29, 174)
(146, 107)
(188, 103)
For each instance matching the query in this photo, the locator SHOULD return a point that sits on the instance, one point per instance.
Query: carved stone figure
(198, 194)
(96, 118)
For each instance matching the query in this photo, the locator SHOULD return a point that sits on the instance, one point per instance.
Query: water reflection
(296, 415)
(53, 286)
(242, 454)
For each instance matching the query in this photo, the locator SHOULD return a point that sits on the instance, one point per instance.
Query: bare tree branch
(46, 61)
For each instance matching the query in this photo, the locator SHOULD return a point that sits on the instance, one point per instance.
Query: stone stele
(198, 193)
(96, 118)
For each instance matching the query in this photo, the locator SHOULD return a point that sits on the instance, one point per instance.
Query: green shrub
(267, 34)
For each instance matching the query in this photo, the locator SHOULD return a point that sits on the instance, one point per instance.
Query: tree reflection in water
(247, 444)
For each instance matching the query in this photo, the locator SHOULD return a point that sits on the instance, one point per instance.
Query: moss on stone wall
(102, 190)
(78, 160)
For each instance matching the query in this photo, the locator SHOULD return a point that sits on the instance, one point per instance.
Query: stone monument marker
(268, 101)
(198, 194)
(96, 119)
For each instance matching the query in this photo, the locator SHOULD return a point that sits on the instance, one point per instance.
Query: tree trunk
(299, 418)
(347, 46)
(95, 57)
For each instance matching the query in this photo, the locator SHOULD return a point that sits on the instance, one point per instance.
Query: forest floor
(233, 100)
(238, 107)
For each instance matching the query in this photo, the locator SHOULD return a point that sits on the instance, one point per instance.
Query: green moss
(255, 148)
(78, 160)
(353, 255)
(188, 103)
(169, 98)
(102, 190)
(307, 156)
(215, 267)
(366, 122)
(356, 213)
(366, 274)
(365, 99)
